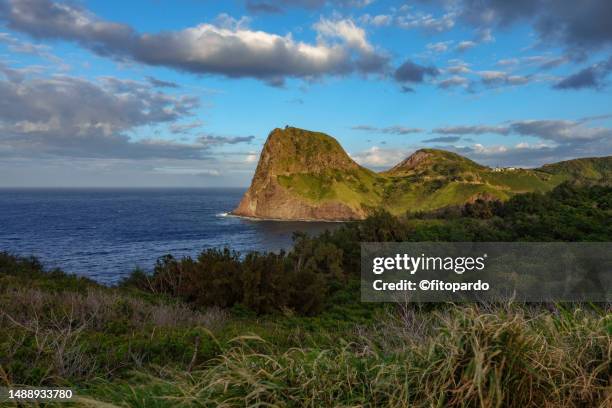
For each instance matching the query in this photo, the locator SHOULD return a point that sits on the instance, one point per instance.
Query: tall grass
(463, 356)
(58, 338)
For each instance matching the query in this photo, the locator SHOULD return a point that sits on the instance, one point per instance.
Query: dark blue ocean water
(104, 234)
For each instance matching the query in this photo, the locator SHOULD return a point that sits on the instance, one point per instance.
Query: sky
(183, 93)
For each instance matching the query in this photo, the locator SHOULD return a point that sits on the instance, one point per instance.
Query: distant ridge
(305, 175)
(438, 160)
(598, 169)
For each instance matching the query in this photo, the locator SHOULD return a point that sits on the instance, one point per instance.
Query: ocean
(105, 233)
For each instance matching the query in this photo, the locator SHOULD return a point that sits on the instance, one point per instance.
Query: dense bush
(262, 282)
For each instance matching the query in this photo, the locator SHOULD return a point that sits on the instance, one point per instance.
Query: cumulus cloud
(501, 78)
(379, 158)
(424, 21)
(473, 80)
(439, 47)
(411, 72)
(554, 130)
(484, 35)
(406, 17)
(72, 117)
(453, 81)
(561, 131)
(252, 157)
(225, 47)
(18, 74)
(591, 77)
(378, 20)
(545, 62)
(184, 128)
(526, 155)
(161, 83)
(443, 139)
(471, 130)
(465, 45)
(542, 62)
(594, 118)
(394, 130)
(506, 62)
(457, 66)
(212, 140)
(24, 47)
(354, 38)
(558, 140)
(343, 29)
(580, 28)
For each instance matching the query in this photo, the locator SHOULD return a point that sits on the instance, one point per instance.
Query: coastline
(251, 218)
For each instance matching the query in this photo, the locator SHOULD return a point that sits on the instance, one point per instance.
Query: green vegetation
(522, 181)
(288, 329)
(425, 162)
(585, 170)
(353, 187)
(313, 167)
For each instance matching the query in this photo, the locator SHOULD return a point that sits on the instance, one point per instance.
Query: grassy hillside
(354, 187)
(311, 169)
(292, 150)
(598, 169)
(434, 162)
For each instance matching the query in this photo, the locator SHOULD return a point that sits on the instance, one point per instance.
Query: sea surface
(106, 233)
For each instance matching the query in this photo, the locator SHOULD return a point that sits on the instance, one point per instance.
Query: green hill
(304, 175)
(434, 162)
(597, 169)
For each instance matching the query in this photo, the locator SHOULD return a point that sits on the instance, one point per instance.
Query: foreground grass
(462, 356)
(126, 348)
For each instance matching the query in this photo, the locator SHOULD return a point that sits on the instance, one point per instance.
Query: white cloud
(507, 62)
(378, 157)
(226, 46)
(458, 67)
(380, 20)
(479, 148)
(251, 158)
(425, 21)
(346, 30)
(393, 130)
(465, 45)
(453, 81)
(439, 47)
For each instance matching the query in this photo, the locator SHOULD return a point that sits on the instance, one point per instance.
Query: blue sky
(183, 93)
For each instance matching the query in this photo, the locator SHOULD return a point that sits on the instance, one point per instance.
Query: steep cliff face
(299, 177)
